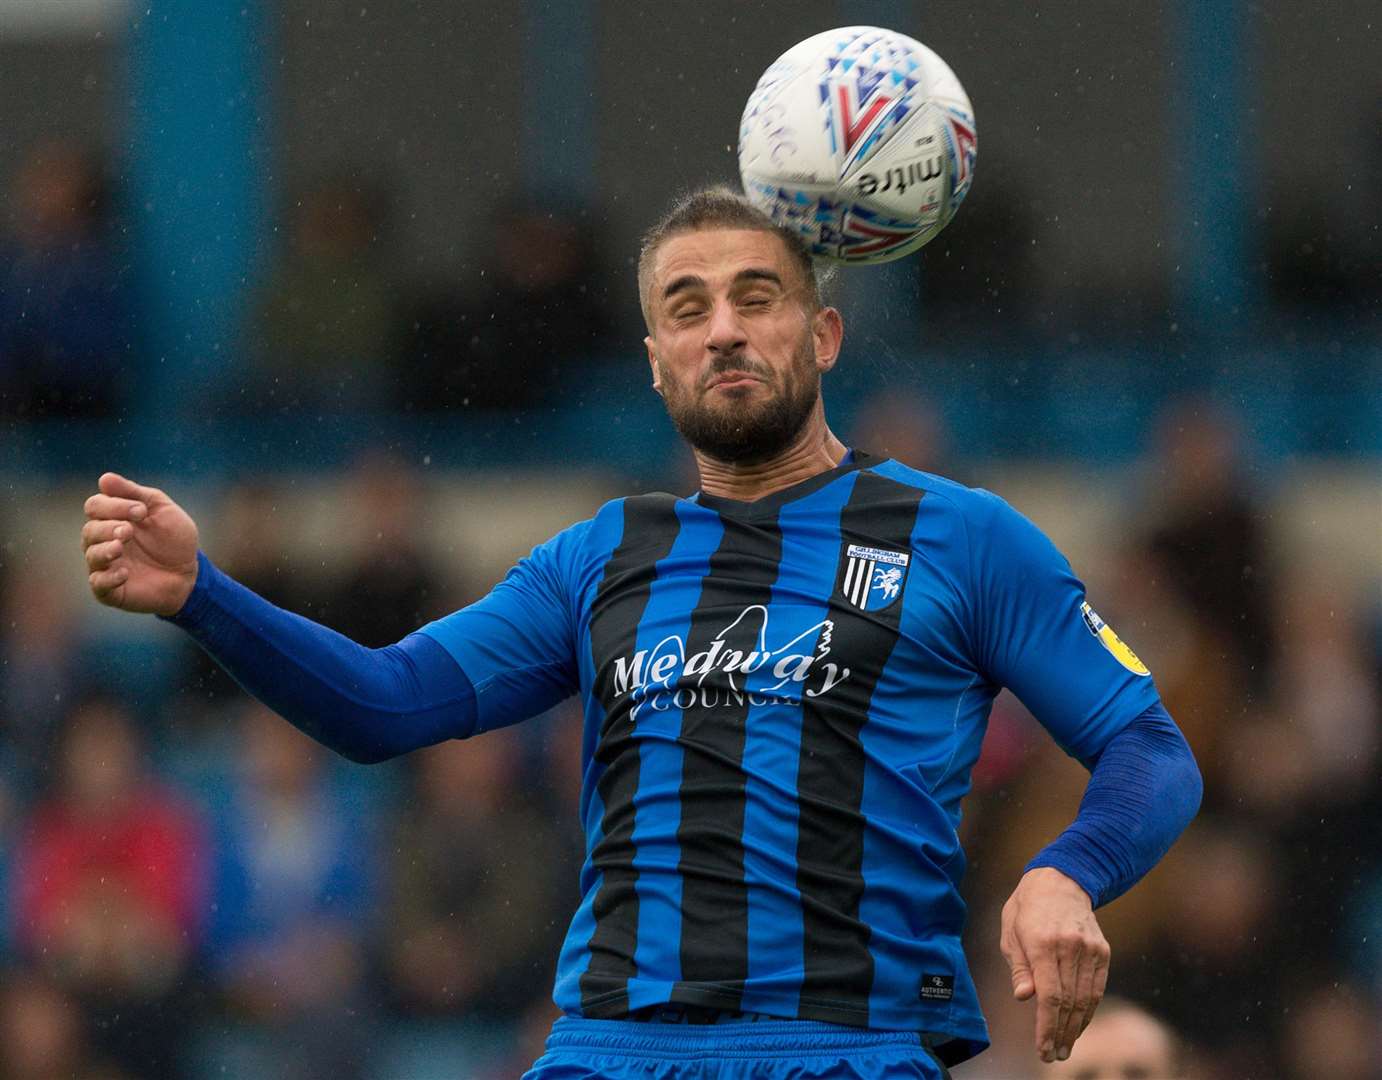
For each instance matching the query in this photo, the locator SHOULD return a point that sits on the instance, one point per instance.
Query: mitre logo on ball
(860, 139)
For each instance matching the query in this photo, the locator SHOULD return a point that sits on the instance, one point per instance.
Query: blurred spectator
(541, 318)
(1200, 683)
(41, 664)
(561, 779)
(294, 891)
(903, 426)
(1208, 539)
(1333, 1031)
(66, 322)
(109, 890)
(327, 317)
(468, 849)
(1326, 688)
(41, 1034)
(12, 820)
(1216, 936)
(389, 588)
(1122, 1042)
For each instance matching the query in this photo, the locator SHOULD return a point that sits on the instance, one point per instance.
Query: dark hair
(721, 207)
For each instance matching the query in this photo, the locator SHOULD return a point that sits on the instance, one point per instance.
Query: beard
(736, 429)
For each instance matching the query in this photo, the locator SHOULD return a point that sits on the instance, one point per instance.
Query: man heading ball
(786, 679)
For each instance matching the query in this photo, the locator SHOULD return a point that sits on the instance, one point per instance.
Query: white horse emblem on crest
(873, 577)
(887, 580)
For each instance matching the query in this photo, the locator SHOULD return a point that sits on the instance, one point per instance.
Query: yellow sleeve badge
(1111, 641)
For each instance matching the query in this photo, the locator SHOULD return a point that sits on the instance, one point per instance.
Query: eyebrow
(691, 281)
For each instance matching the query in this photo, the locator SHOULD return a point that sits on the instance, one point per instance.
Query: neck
(815, 450)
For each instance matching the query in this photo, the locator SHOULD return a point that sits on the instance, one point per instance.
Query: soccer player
(786, 679)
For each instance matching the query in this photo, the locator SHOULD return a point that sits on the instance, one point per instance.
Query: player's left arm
(1036, 634)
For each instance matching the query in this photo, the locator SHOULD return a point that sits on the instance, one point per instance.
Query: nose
(724, 332)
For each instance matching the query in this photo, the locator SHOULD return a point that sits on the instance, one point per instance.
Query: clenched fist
(141, 547)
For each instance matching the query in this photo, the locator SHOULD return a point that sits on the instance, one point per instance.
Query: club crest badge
(873, 577)
(1111, 641)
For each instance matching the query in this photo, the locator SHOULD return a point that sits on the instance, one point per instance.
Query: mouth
(732, 380)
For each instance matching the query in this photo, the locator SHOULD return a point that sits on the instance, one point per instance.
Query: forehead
(1122, 1039)
(718, 254)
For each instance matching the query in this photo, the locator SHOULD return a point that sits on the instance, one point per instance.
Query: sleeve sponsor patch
(1111, 641)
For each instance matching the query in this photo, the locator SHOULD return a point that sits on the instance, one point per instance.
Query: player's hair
(721, 207)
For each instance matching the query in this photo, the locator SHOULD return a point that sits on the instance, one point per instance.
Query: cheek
(673, 372)
(786, 337)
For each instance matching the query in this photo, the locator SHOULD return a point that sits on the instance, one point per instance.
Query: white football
(862, 140)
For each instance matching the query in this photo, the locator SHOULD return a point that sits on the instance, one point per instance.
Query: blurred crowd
(339, 320)
(1257, 938)
(189, 887)
(334, 323)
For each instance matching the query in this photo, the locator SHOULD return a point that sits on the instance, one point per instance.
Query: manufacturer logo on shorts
(873, 577)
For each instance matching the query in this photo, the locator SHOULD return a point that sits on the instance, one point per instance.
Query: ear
(651, 346)
(827, 332)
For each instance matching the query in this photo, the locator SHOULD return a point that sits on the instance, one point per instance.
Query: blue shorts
(733, 1050)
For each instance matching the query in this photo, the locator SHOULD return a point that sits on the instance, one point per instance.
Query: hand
(1058, 954)
(141, 547)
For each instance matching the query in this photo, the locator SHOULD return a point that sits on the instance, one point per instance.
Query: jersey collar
(769, 504)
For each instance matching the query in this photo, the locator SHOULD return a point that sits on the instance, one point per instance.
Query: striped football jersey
(783, 702)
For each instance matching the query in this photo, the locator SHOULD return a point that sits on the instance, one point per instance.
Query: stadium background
(354, 282)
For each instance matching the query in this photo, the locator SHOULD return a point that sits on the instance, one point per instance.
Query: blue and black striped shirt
(783, 703)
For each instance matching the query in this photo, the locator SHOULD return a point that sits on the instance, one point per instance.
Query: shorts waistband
(764, 1037)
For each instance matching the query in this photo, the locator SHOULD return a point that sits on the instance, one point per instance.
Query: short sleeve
(517, 645)
(1036, 634)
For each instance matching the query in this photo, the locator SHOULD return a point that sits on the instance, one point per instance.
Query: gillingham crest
(873, 577)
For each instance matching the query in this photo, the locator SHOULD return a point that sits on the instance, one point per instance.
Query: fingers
(100, 556)
(114, 484)
(110, 506)
(107, 585)
(100, 530)
(1101, 966)
(1074, 967)
(1023, 985)
(1083, 975)
(1090, 989)
(1053, 1003)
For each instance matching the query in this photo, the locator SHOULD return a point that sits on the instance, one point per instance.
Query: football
(860, 139)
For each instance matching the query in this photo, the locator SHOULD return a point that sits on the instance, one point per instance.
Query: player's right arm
(368, 704)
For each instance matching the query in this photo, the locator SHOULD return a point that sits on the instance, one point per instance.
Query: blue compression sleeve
(1142, 793)
(367, 704)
